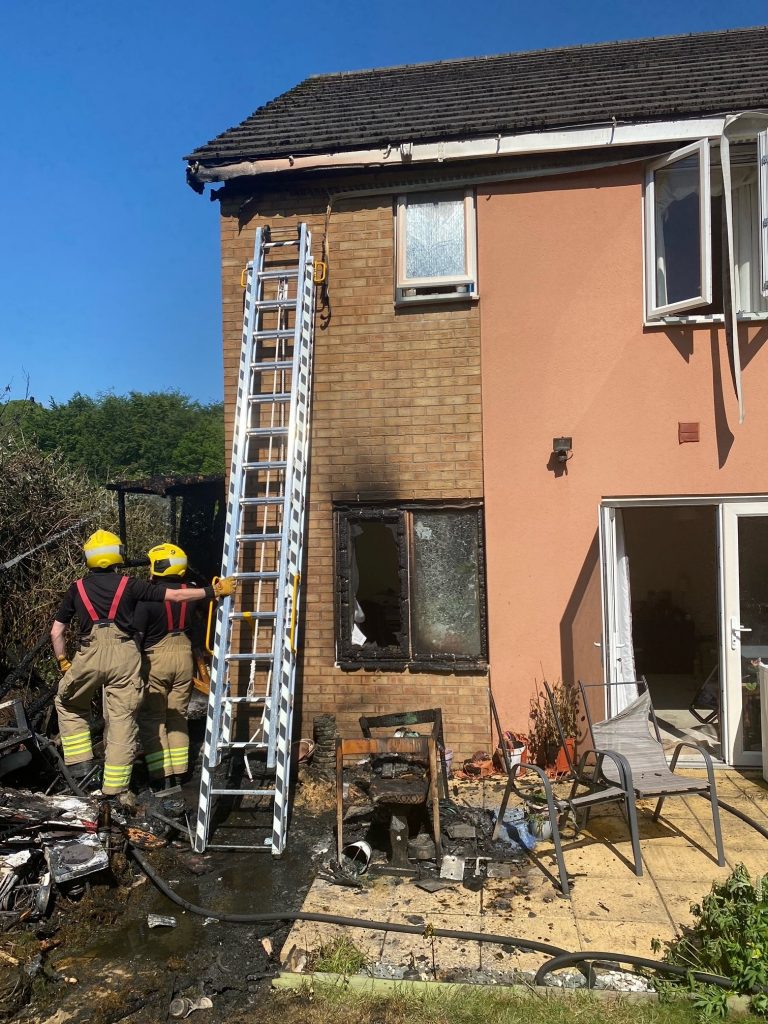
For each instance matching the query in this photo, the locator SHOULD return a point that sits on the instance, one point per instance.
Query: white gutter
(409, 153)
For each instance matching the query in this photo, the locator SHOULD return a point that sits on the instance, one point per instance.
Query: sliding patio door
(744, 550)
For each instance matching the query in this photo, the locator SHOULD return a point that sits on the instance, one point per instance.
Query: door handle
(736, 630)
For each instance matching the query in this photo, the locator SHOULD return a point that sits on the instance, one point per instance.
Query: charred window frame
(390, 614)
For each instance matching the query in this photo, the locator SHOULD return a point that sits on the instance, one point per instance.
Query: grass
(341, 956)
(471, 1005)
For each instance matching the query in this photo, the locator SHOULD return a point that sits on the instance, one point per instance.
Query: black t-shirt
(150, 620)
(100, 586)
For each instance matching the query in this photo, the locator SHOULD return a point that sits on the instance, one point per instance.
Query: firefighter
(168, 667)
(104, 602)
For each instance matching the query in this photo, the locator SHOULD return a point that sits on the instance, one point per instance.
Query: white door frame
(733, 742)
(728, 508)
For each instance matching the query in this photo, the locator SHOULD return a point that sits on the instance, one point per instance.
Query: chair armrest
(622, 766)
(549, 796)
(703, 753)
(598, 776)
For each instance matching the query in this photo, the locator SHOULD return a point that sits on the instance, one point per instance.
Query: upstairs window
(410, 587)
(686, 244)
(436, 256)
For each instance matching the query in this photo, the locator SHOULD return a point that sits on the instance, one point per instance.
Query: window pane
(374, 604)
(434, 242)
(678, 231)
(445, 598)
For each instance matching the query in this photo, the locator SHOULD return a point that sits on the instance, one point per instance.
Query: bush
(729, 937)
(47, 509)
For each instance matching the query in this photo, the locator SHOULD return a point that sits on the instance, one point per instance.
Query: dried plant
(544, 737)
(47, 509)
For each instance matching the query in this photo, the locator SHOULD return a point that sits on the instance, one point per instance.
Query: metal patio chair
(641, 765)
(591, 774)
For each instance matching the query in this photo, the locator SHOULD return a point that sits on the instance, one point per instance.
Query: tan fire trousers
(168, 669)
(110, 659)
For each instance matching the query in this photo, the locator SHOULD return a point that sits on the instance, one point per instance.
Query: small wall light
(562, 448)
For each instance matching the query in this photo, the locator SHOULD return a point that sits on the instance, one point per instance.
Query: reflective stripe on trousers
(109, 659)
(168, 668)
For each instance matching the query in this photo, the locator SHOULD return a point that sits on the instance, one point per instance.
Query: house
(539, 411)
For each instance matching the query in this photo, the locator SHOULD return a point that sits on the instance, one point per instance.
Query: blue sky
(109, 276)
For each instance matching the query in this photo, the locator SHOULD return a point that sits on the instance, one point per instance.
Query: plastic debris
(161, 921)
(183, 1006)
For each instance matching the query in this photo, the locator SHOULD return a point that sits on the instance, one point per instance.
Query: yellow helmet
(167, 560)
(103, 549)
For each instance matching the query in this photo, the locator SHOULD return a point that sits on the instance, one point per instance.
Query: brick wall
(396, 415)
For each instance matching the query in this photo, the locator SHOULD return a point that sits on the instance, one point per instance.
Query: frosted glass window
(445, 608)
(434, 239)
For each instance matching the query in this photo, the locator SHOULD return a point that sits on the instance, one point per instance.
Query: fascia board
(408, 153)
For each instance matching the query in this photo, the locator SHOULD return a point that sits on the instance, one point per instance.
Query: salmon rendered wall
(564, 352)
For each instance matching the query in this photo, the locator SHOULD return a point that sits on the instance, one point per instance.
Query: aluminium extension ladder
(250, 707)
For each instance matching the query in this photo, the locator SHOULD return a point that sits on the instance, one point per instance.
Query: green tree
(129, 436)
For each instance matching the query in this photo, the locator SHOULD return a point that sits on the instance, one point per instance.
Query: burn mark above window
(410, 587)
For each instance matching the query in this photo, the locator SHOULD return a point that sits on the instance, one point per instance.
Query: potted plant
(539, 825)
(538, 821)
(544, 738)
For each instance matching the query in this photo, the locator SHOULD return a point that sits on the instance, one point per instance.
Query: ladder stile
(263, 544)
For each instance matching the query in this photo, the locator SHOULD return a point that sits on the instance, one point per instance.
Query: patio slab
(611, 908)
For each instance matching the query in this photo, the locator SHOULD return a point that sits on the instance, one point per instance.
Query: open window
(678, 233)
(410, 587)
(686, 248)
(762, 170)
(436, 258)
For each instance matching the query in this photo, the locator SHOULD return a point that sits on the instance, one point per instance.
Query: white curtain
(746, 243)
(434, 244)
(625, 660)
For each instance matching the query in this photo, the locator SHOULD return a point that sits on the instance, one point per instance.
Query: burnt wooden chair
(397, 791)
(402, 719)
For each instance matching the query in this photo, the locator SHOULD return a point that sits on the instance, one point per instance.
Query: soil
(96, 960)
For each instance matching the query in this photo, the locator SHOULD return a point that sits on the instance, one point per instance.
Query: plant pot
(540, 827)
(562, 767)
(517, 755)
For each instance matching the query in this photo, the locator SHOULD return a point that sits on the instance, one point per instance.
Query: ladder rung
(270, 574)
(274, 464)
(264, 537)
(252, 615)
(248, 657)
(242, 792)
(278, 499)
(269, 304)
(267, 399)
(245, 700)
(243, 745)
(280, 243)
(275, 334)
(270, 365)
(271, 275)
(267, 431)
(265, 846)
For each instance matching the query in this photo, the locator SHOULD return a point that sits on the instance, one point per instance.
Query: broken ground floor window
(410, 586)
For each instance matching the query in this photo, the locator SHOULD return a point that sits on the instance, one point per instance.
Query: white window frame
(653, 309)
(421, 289)
(762, 189)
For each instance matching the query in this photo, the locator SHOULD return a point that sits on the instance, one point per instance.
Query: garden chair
(598, 791)
(633, 733)
(402, 719)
